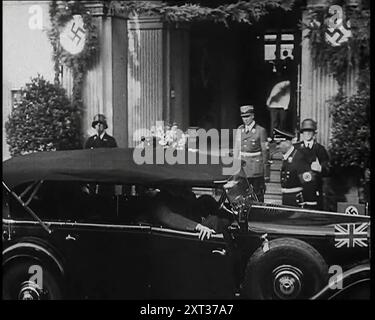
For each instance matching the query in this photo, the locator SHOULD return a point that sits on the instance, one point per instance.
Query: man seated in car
(177, 207)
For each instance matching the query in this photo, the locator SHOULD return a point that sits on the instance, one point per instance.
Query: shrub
(43, 120)
(350, 142)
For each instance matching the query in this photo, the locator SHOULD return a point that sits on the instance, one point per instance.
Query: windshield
(236, 187)
(239, 192)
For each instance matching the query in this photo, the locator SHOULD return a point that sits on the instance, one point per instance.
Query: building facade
(195, 74)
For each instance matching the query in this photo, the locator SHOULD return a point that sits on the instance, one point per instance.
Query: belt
(291, 190)
(250, 154)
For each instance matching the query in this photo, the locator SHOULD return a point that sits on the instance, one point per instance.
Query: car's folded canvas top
(110, 165)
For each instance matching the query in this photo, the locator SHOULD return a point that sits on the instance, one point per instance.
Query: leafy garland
(350, 115)
(79, 63)
(242, 11)
(355, 52)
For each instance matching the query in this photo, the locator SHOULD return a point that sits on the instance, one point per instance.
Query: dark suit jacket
(291, 170)
(95, 142)
(317, 152)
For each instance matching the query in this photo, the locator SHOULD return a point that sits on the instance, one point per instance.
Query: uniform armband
(306, 177)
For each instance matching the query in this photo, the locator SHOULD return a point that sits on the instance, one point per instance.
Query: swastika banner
(73, 36)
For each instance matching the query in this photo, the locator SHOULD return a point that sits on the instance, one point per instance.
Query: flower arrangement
(167, 136)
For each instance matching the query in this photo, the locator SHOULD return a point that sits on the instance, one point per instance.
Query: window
(270, 37)
(286, 50)
(269, 52)
(65, 201)
(287, 37)
(15, 97)
(83, 202)
(278, 46)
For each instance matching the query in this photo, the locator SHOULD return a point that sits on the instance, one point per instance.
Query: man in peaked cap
(293, 167)
(251, 148)
(101, 139)
(317, 157)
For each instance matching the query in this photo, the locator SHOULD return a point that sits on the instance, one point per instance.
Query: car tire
(289, 269)
(18, 285)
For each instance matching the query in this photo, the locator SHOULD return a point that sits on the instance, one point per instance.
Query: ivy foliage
(241, 11)
(353, 53)
(44, 120)
(60, 13)
(350, 140)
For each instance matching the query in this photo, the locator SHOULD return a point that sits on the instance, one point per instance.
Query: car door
(109, 261)
(105, 256)
(184, 267)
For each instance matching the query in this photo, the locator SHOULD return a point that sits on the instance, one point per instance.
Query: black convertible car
(76, 226)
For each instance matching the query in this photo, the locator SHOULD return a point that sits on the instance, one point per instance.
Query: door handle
(69, 237)
(222, 252)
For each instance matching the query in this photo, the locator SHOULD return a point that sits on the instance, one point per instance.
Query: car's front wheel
(287, 269)
(28, 280)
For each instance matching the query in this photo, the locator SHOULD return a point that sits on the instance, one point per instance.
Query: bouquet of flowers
(167, 136)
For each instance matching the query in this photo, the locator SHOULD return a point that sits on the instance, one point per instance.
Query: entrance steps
(273, 187)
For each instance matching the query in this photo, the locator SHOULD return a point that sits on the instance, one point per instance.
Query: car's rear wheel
(20, 282)
(289, 269)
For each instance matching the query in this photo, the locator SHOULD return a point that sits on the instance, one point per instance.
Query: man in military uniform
(251, 148)
(101, 139)
(317, 158)
(293, 166)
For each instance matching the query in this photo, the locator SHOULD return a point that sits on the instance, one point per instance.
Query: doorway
(230, 67)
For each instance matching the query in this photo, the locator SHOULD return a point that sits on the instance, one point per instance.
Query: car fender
(35, 249)
(351, 279)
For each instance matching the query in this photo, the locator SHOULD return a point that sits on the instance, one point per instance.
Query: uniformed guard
(293, 166)
(251, 147)
(101, 139)
(317, 157)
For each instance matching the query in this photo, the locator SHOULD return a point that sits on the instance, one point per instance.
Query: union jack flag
(351, 235)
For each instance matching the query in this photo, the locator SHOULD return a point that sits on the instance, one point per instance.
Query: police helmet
(308, 125)
(99, 118)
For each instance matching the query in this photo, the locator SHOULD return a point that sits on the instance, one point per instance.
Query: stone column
(105, 84)
(145, 76)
